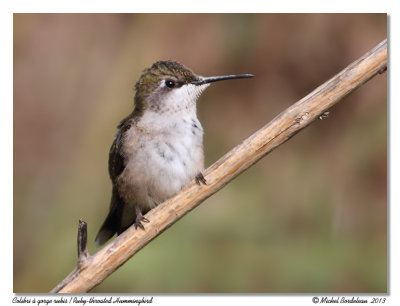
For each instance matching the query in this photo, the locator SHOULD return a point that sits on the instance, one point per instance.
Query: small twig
(382, 70)
(83, 253)
(284, 126)
(324, 115)
(83, 256)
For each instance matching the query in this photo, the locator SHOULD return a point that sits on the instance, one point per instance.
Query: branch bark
(92, 270)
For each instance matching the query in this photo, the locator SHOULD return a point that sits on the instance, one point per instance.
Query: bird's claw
(200, 179)
(139, 219)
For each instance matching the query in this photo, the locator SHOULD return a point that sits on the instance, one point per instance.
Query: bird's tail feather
(112, 223)
(104, 234)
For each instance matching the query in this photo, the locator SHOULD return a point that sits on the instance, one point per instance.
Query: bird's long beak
(206, 80)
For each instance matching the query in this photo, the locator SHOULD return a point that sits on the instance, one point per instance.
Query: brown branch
(94, 269)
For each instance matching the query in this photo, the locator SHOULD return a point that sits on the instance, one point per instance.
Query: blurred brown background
(310, 217)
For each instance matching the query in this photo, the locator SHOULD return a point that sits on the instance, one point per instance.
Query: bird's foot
(200, 179)
(139, 219)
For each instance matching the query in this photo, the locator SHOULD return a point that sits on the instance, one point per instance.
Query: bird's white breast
(163, 151)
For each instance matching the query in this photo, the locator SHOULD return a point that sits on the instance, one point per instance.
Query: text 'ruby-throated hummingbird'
(158, 148)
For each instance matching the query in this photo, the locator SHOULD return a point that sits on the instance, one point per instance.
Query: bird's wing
(116, 159)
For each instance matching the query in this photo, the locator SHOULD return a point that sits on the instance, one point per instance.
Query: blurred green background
(309, 217)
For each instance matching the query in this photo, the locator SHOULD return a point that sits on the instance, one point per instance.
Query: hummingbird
(158, 148)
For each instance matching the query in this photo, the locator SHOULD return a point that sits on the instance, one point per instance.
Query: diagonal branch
(92, 270)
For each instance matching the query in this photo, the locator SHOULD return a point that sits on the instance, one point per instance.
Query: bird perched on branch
(158, 148)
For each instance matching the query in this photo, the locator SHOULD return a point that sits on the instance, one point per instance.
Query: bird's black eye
(170, 83)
